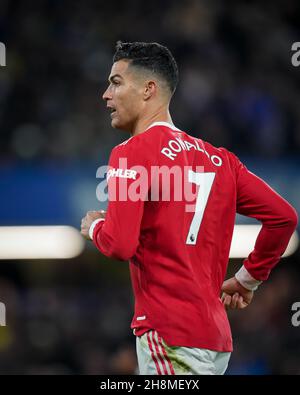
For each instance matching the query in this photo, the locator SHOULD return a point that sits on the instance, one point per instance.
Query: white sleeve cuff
(246, 280)
(92, 227)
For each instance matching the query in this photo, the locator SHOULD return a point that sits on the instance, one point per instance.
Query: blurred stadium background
(237, 89)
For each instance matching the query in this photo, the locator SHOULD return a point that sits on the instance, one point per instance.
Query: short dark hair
(150, 56)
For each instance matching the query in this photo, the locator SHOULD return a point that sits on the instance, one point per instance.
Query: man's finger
(227, 301)
(223, 296)
(240, 303)
(234, 300)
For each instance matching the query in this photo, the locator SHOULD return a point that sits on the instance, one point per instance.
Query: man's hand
(235, 296)
(87, 221)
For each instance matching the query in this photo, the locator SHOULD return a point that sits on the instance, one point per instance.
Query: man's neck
(144, 123)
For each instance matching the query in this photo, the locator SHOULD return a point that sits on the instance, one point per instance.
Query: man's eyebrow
(111, 78)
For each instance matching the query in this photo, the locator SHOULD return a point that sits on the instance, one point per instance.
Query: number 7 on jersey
(205, 182)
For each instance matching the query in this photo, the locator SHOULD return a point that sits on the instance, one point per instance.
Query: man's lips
(112, 110)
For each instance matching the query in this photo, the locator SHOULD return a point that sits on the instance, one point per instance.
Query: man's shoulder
(229, 159)
(121, 145)
(138, 149)
(223, 151)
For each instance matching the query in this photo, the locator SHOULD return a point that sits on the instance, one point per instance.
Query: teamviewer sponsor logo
(122, 173)
(2, 54)
(2, 314)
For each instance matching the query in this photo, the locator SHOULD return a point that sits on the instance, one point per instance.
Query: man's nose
(106, 95)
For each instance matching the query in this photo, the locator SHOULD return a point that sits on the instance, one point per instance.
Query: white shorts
(155, 357)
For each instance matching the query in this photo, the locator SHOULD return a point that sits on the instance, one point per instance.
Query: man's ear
(150, 89)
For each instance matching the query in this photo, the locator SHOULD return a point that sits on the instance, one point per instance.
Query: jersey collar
(167, 124)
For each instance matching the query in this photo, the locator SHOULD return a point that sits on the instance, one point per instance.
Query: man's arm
(118, 235)
(279, 219)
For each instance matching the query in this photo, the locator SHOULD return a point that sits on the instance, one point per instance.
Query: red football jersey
(177, 233)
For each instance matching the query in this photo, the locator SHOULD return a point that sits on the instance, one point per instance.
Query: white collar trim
(167, 124)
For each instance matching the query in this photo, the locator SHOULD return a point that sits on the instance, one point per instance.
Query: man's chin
(117, 125)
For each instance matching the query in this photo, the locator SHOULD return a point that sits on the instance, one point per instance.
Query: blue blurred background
(238, 89)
